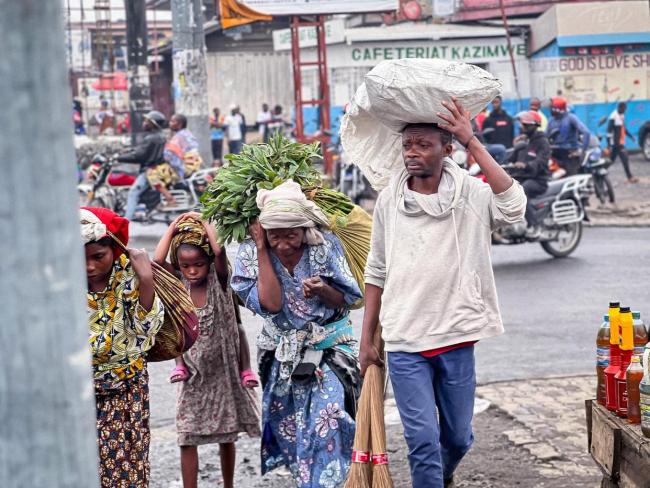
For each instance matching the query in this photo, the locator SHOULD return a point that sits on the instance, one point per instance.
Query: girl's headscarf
(287, 207)
(189, 231)
(96, 221)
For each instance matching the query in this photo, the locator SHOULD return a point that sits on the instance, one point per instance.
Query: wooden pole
(137, 52)
(47, 418)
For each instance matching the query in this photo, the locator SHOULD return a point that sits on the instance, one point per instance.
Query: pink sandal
(179, 373)
(248, 379)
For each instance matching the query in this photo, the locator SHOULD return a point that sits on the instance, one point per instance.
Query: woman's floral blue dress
(305, 427)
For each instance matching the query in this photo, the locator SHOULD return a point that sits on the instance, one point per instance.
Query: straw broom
(380, 474)
(181, 325)
(375, 378)
(360, 473)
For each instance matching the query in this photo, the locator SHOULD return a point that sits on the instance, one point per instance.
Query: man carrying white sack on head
(429, 280)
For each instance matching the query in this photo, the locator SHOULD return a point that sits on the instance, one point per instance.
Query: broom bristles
(360, 474)
(380, 474)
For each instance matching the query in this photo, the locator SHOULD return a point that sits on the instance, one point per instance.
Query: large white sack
(401, 92)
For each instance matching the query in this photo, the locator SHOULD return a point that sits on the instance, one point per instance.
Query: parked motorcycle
(348, 178)
(105, 185)
(109, 187)
(560, 211)
(596, 162)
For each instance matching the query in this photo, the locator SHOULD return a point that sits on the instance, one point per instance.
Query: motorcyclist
(530, 166)
(149, 154)
(569, 135)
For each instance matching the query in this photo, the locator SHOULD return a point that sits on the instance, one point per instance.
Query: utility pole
(136, 40)
(47, 414)
(190, 74)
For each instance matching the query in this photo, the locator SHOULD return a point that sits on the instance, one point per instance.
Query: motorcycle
(596, 162)
(187, 194)
(104, 185)
(110, 187)
(348, 178)
(560, 211)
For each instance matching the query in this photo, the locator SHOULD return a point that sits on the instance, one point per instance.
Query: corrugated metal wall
(249, 79)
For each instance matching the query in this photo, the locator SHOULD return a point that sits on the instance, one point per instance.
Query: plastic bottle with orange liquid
(627, 349)
(634, 376)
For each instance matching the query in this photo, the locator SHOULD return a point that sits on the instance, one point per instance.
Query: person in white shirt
(429, 277)
(263, 118)
(233, 124)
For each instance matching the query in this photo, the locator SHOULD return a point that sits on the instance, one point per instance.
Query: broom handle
(379, 344)
(117, 240)
(126, 250)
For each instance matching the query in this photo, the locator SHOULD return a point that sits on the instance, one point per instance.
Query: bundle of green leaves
(229, 200)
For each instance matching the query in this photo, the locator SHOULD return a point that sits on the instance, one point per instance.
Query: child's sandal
(248, 379)
(179, 373)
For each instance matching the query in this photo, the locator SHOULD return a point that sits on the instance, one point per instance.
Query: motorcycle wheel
(567, 241)
(609, 189)
(604, 189)
(599, 190)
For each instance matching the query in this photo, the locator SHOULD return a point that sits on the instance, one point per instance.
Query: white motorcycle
(107, 185)
(560, 212)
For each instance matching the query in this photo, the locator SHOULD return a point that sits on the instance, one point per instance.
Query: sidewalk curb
(628, 225)
(549, 377)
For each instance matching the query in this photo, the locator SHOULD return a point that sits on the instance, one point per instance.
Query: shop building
(595, 54)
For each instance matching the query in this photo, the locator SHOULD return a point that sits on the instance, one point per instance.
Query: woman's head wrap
(189, 231)
(96, 222)
(287, 207)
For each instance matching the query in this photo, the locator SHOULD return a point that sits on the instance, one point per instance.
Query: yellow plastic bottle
(627, 348)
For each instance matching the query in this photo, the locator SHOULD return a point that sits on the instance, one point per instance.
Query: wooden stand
(619, 448)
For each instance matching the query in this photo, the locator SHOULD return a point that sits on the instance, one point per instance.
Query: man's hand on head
(458, 121)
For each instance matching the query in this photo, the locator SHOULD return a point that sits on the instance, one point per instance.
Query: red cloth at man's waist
(441, 350)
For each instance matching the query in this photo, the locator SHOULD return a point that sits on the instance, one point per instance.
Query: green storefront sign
(475, 53)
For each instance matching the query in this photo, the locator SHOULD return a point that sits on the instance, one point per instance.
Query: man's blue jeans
(435, 399)
(139, 186)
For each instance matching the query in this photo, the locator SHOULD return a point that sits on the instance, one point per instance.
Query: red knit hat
(118, 226)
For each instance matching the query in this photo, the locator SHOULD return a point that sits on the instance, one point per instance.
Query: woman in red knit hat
(124, 315)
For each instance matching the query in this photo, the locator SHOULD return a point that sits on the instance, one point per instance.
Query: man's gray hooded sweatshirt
(431, 256)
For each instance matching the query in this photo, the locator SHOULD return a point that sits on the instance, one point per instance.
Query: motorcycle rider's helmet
(156, 118)
(530, 118)
(558, 104)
